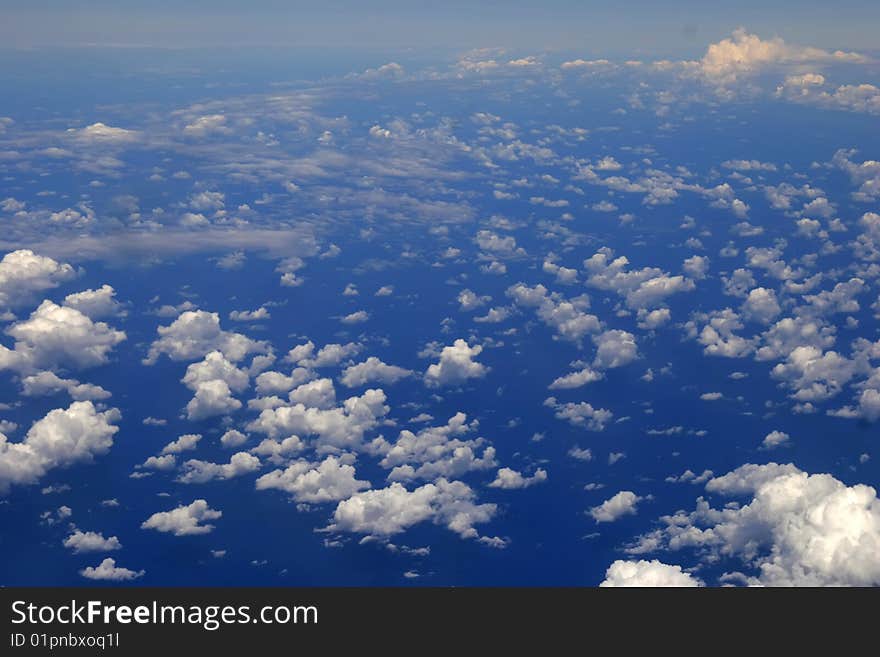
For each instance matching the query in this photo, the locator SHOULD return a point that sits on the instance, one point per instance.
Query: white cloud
(745, 53)
(337, 428)
(581, 414)
(647, 574)
(196, 333)
(797, 529)
(392, 510)
(328, 481)
(62, 438)
(435, 452)
(456, 365)
(576, 379)
(200, 472)
(622, 504)
(24, 273)
(108, 570)
(184, 520)
(373, 370)
(49, 383)
(57, 336)
(80, 541)
(615, 348)
(95, 304)
(184, 443)
(567, 317)
(512, 479)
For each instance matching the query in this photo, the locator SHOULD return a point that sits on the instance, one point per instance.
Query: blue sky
(442, 315)
(649, 27)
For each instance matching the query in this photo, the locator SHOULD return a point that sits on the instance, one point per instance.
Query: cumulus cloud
(435, 452)
(510, 479)
(647, 574)
(49, 383)
(196, 333)
(798, 529)
(373, 370)
(80, 541)
(62, 438)
(745, 53)
(392, 510)
(23, 273)
(456, 365)
(109, 571)
(184, 520)
(196, 471)
(341, 427)
(56, 336)
(567, 317)
(581, 414)
(331, 480)
(617, 506)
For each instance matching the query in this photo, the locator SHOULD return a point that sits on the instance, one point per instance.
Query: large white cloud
(23, 273)
(330, 480)
(456, 365)
(62, 438)
(392, 510)
(435, 452)
(340, 427)
(56, 336)
(798, 529)
(647, 574)
(196, 333)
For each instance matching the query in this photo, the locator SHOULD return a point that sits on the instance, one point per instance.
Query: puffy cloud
(108, 570)
(615, 349)
(580, 414)
(745, 53)
(469, 300)
(511, 479)
(622, 504)
(330, 355)
(95, 303)
(23, 273)
(337, 428)
(328, 481)
(80, 541)
(775, 439)
(576, 379)
(184, 443)
(196, 333)
(49, 383)
(647, 574)
(456, 365)
(62, 438)
(184, 520)
(392, 510)
(717, 335)
(212, 398)
(640, 288)
(356, 317)
(100, 133)
(435, 452)
(213, 380)
(199, 472)
(57, 336)
(373, 370)
(567, 317)
(813, 375)
(761, 305)
(797, 530)
(233, 438)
